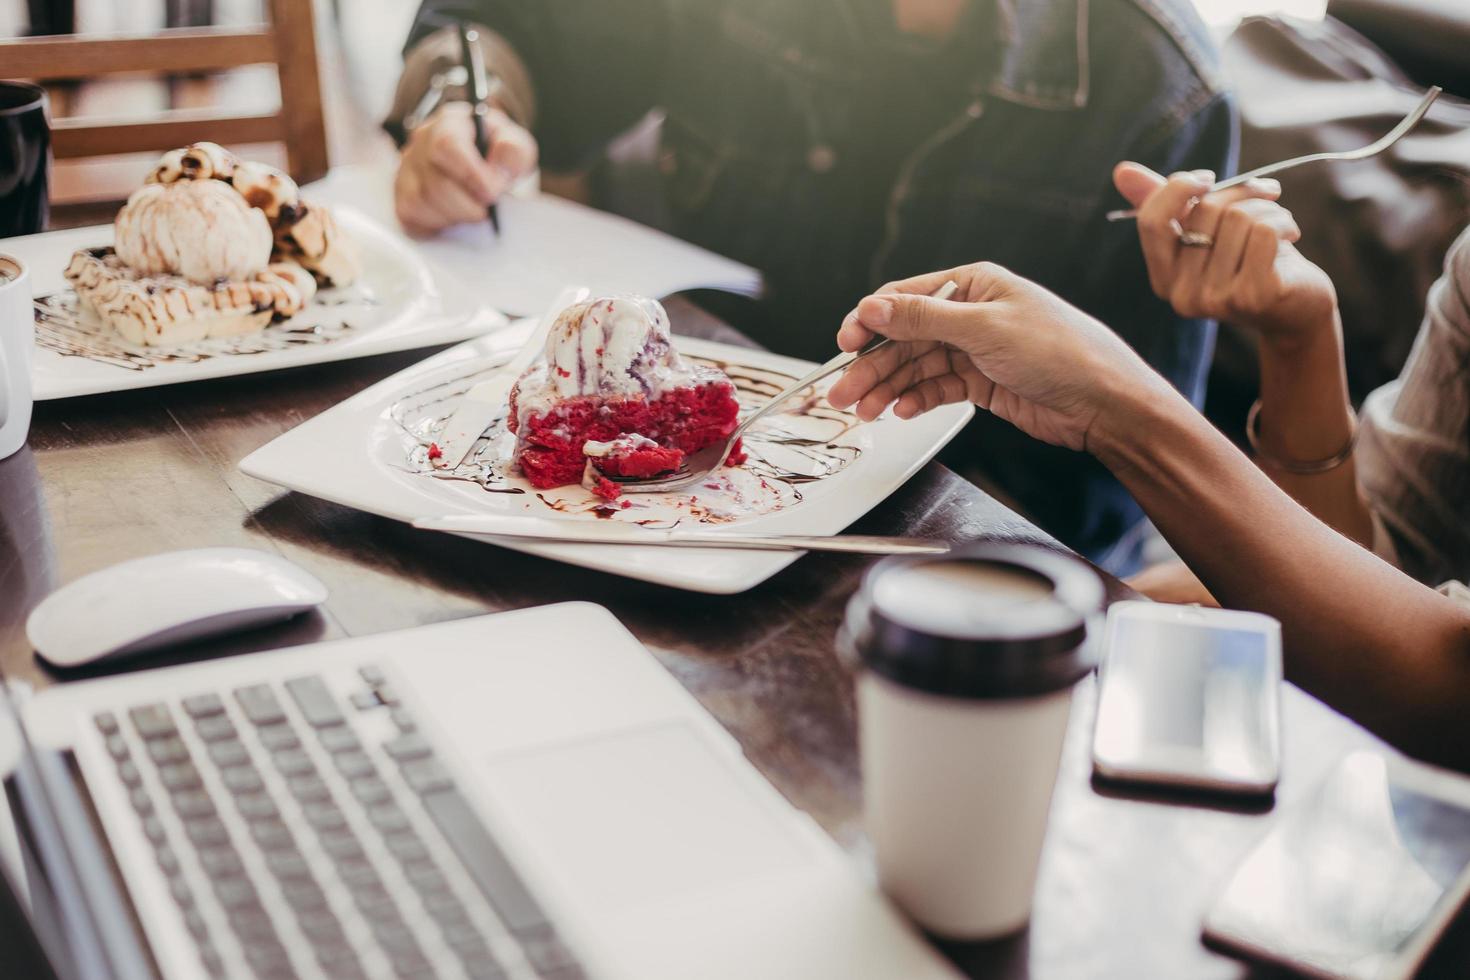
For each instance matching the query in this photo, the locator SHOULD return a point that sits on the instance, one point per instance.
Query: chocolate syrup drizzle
(62, 326)
(773, 444)
(801, 445)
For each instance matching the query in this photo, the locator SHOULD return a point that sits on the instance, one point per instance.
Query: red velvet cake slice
(611, 382)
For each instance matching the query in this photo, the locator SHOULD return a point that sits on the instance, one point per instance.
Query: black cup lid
(990, 620)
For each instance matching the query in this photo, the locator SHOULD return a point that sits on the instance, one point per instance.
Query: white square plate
(369, 453)
(399, 303)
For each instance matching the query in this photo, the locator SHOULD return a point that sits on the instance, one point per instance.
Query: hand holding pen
(444, 178)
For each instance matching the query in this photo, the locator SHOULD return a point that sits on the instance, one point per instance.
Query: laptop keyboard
(305, 834)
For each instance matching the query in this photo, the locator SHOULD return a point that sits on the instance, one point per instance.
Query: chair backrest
(288, 42)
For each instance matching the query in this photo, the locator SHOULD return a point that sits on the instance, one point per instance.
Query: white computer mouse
(152, 602)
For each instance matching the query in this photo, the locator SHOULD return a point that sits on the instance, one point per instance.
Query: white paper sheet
(547, 242)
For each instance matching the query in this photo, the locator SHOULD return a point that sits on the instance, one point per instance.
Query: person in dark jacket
(839, 144)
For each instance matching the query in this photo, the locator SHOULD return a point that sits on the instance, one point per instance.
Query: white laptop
(524, 795)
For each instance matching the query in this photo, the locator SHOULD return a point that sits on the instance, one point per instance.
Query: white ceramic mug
(17, 338)
(967, 669)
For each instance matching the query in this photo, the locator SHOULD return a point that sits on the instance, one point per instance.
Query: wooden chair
(288, 42)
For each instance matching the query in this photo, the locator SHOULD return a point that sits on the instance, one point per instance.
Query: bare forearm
(1359, 634)
(1306, 415)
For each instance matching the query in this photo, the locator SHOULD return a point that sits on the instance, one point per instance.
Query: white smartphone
(1359, 880)
(1190, 697)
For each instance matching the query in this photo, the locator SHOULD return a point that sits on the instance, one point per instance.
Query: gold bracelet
(1301, 467)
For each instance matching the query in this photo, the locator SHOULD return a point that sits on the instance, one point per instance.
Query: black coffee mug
(25, 159)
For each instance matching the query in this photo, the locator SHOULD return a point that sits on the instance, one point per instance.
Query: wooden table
(1124, 882)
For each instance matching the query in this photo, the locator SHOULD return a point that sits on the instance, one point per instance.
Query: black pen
(474, 65)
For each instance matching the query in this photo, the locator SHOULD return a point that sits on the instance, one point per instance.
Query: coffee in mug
(966, 668)
(17, 338)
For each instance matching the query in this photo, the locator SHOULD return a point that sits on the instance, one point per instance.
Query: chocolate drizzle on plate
(800, 445)
(808, 442)
(64, 327)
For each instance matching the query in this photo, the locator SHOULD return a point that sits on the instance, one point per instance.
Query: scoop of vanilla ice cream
(199, 229)
(616, 346)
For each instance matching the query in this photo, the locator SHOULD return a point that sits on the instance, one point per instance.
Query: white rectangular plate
(412, 304)
(367, 453)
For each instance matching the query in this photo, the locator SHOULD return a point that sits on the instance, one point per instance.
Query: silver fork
(700, 465)
(1361, 153)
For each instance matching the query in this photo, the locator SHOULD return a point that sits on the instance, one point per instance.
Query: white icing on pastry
(265, 187)
(197, 161)
(200, 230)
(211, 246)
(292, 287)
(168, 169)
(167, 310)
(313, 240)
(201, 161)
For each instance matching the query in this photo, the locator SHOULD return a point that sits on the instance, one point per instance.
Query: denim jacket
(812, 140)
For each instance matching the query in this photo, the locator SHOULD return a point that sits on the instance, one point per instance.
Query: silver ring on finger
(1196, 239)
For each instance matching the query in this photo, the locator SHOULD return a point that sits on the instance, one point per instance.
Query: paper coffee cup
(967, 665)
(17, 338)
